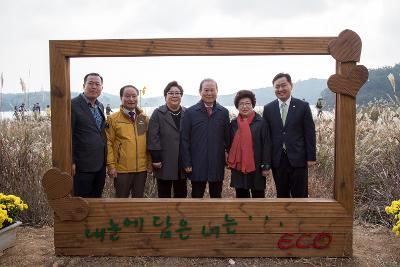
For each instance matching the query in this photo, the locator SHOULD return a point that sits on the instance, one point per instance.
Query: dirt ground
(373, 246)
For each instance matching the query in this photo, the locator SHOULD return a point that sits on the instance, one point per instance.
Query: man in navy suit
(204, 141)
(293, 139)
(88, 139)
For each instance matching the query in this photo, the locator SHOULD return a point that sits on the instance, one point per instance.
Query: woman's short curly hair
(170, 85)
(245, 94)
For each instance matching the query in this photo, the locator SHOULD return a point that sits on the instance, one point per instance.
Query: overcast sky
(27, 26)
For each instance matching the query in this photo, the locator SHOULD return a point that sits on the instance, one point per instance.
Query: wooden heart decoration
(56, 184)
(70, 208)
(351, 84)
(346, 47)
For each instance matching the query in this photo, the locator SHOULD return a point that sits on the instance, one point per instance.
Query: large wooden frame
(218, 227)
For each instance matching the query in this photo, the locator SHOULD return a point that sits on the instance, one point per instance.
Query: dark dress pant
(165, 188)
(89, 184)
(290, 181)
(130, 184)
(245, 193)
(198, 189)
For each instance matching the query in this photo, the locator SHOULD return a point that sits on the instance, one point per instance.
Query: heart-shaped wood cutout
(346, 47)
(70, 208)
(351, 84)
(56, 184)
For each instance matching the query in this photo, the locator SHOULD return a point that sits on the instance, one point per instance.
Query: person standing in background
(108, 110)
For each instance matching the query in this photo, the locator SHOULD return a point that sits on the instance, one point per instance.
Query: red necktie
(209, 111)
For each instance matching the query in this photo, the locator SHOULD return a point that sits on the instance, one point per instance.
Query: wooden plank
(210, 201)
(203, 207)
(345, 133)
(196, 240)
(60, 110)
(188, 252)
(195, 47)
(244, 224)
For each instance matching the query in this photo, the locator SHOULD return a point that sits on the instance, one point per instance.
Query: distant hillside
(11, 100)
(377, 87)
(309, 90)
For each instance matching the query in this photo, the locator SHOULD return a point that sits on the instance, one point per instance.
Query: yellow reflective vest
(126, 142)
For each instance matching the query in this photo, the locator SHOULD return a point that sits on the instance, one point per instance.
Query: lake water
(10, 114)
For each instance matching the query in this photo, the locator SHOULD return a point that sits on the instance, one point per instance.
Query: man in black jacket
(293, 139)
(88, 139)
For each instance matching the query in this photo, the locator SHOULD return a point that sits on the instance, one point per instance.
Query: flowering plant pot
(8, 236)
(10, 207)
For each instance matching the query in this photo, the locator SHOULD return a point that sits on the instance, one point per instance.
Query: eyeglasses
(174, 93)
(247, 104)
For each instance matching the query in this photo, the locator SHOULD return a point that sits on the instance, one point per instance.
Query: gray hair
(207, 80)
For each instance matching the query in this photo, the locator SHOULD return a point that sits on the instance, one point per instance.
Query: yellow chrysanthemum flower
(394, 209)
(10, 205)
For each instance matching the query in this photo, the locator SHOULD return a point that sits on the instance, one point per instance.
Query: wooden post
(345, 131)
(60, 109)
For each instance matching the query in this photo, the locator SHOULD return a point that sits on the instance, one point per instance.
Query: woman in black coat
(164, 142)
(250, 153)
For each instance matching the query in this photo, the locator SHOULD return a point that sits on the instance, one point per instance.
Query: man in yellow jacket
(127, 157)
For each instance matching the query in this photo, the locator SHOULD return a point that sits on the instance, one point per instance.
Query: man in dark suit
(88, 139)
(293, 139)
(204, 140)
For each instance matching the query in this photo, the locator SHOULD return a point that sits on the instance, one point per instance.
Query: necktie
(132, 116)
(209, 111)
(283, 113)
(97, 116)
(283, 117)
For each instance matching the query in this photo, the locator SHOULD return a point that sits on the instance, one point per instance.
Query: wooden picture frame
(218, 227)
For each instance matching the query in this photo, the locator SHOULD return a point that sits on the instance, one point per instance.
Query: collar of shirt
(96, 103)
(287, 102)
(126, 112)
(208, 105)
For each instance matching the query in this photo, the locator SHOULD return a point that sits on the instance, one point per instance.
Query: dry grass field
(26, 154)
